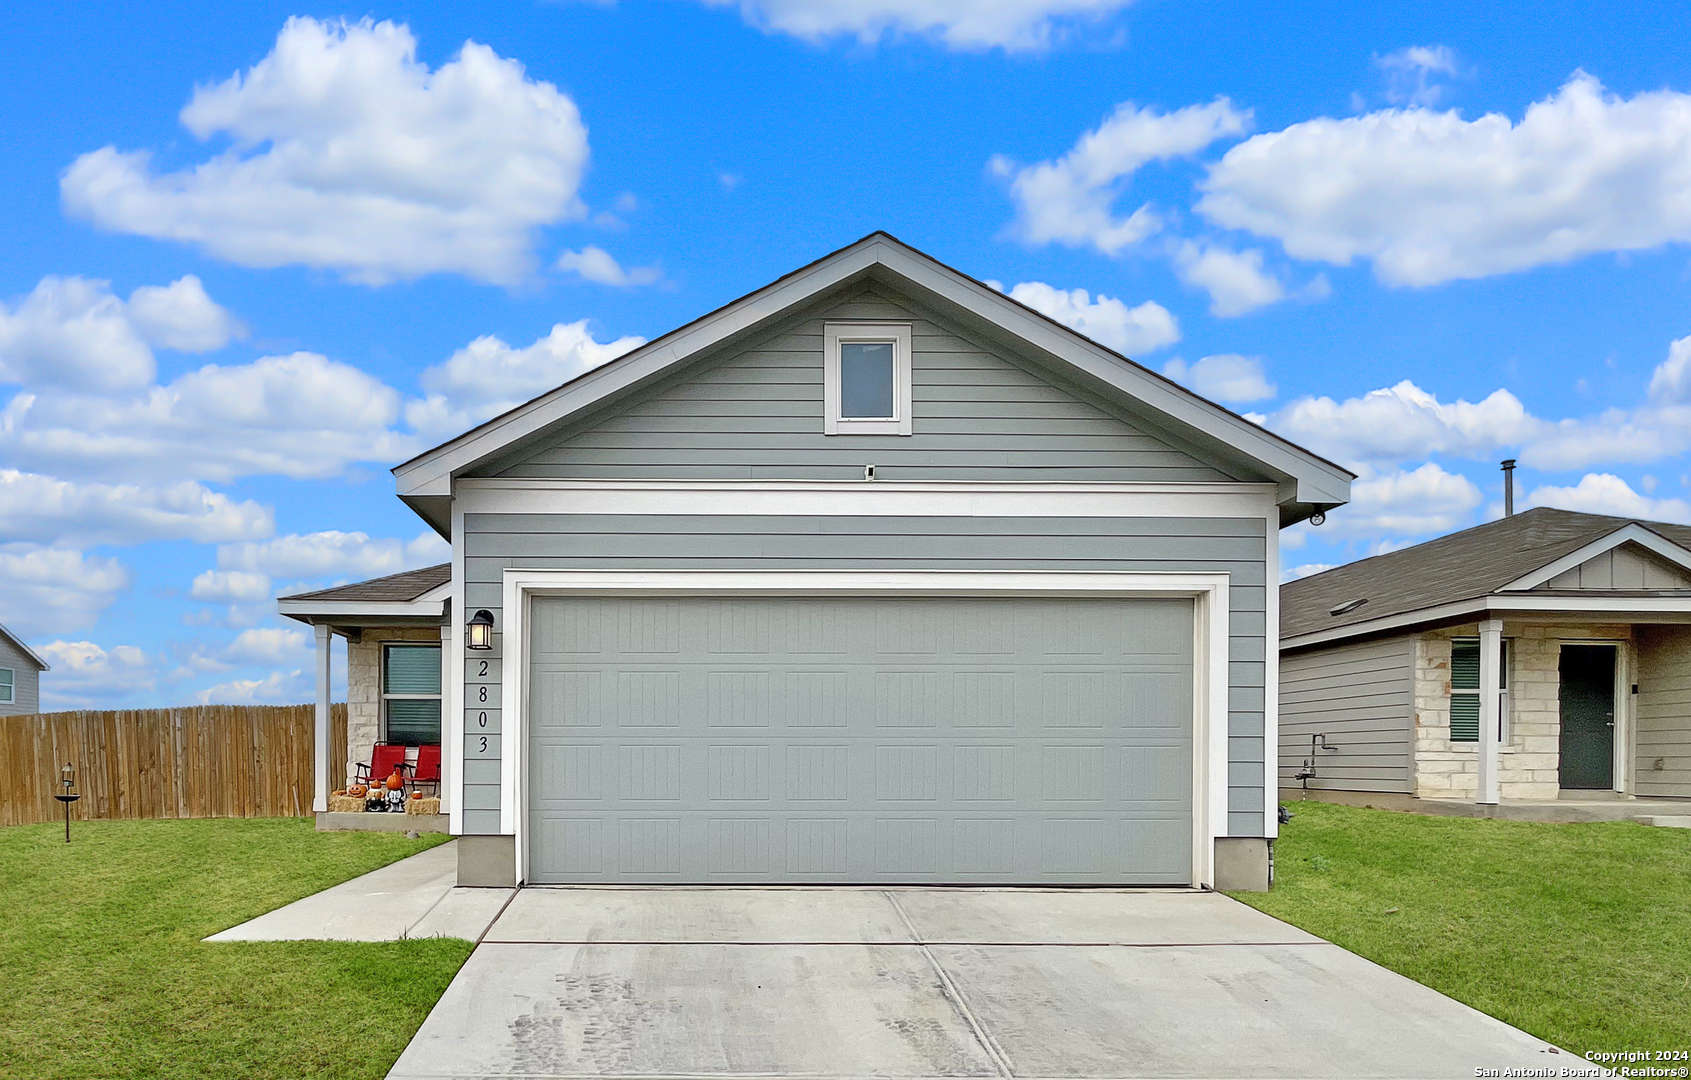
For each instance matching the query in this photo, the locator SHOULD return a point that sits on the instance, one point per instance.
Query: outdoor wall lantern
(69, 795)
(480, 629)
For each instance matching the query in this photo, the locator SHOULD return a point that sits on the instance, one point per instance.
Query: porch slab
(412, 898)
(332, 821)
(1564, 810)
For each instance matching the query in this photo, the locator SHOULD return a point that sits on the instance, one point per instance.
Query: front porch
(1584, 712)
(396, 675)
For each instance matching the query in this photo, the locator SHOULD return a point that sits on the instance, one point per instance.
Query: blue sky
(253, 260)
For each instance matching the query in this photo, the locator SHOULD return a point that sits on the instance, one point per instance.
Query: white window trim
(1209, 593)
(10, 688)
(1505, 729)
(836, 333)
(389, 646)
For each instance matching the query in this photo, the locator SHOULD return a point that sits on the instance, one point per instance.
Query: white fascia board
(858, 498)
(1664, 608)
(1630, 533)
(1315, 480)
(351, 609)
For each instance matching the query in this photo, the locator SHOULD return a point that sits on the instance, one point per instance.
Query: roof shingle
(1472, 563)
(395, 587)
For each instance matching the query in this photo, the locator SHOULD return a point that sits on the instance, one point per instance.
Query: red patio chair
(428, 767)
(383, 759)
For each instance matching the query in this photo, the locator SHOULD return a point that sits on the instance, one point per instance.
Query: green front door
(1588, 716)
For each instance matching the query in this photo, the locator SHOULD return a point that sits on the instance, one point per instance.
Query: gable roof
(1512, 553)
(1307, 482)
(23, 648)
(401, 587)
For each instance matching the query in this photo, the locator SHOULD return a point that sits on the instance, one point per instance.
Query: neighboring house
(1545, 655)
(873, 575)
(20, 676)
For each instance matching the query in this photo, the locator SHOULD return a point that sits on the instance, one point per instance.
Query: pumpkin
(355, 790)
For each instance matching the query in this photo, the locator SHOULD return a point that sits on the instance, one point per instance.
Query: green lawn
(103, 973)
(1579, 934)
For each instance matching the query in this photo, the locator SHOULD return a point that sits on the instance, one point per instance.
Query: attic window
(1348, 606)
(866, 386)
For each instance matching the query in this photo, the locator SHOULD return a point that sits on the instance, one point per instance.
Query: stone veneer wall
(364, 687)
(1528, 762)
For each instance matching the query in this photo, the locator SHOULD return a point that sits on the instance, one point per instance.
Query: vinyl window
(866, 386)
(411, 694)
(1465, 691)
(8, 686)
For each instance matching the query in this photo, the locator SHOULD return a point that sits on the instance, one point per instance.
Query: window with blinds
(411, 694)
(1465, 688)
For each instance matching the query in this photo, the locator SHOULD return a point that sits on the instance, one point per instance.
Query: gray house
(1544, 656)
(873, 575)
(20, 676)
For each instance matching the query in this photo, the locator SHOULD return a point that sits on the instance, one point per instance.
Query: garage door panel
(939, 740)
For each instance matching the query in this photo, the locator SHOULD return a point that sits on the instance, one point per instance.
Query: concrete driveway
(659, 982)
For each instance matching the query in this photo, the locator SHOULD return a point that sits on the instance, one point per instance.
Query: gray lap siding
(493, 543)
(980, 414)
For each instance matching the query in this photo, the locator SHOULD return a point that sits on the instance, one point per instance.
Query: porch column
(320, 769)
(1491, 654)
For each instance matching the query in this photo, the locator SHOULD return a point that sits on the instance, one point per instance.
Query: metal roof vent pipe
(1508, 487)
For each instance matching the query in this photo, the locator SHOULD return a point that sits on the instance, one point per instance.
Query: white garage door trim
(1209, 668)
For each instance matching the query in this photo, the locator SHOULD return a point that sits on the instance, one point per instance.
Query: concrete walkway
(412, 898)
(837, 982)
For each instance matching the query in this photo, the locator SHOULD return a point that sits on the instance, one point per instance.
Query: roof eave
(1657, 608)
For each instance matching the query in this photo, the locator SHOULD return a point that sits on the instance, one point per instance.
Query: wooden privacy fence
(205, 761)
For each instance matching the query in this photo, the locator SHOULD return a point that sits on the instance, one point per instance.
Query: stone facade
(1528, 761)
(364, 687)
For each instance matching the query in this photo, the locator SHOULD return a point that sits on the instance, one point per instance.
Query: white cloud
(1413, 75)
(332, 554)
(1235, 280)
(350, 155)
(1414, 502)
(1404, 422)
(1227, 377)
(1106, 320)
(181, 316)
(1011, 25)
(1072, 200)
(48, 510)
(277, 688)
(487, 376)
(238, 586)
(271, 646)
(301, 416)
(596, 264)
(85, 674)
(1305, 570)
(1606, 493)
(1670, 383)
(1428, 197)
(46, 590)
(73, 332)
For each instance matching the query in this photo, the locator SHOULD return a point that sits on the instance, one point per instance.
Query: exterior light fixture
(480, 629)
(69, 795)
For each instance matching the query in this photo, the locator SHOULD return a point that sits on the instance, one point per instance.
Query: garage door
(862, 739)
